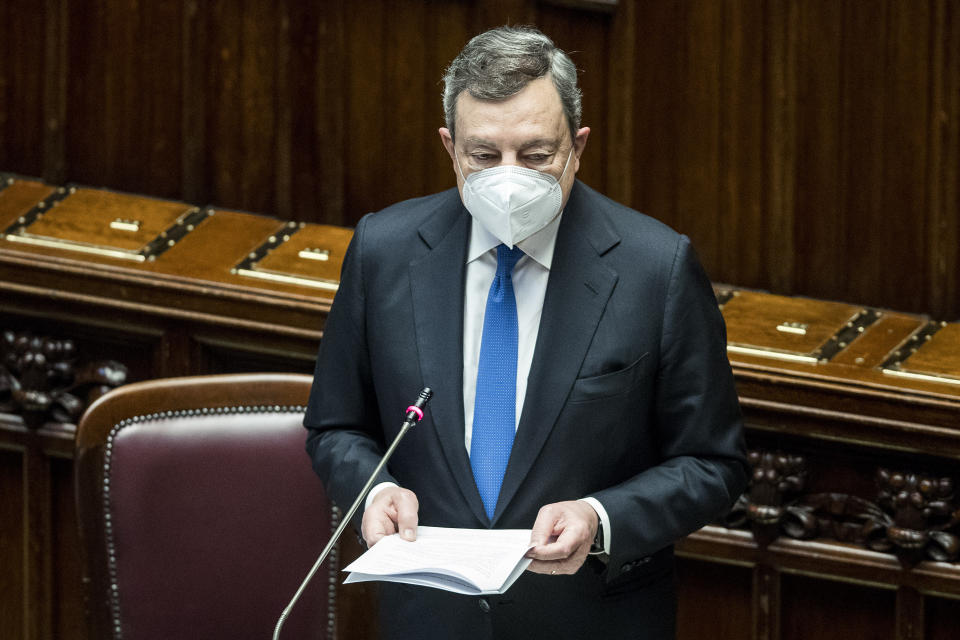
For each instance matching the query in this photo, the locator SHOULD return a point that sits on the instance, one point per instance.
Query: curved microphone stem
(414, 414)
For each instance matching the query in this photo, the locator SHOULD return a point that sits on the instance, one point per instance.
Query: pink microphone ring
(417, 411)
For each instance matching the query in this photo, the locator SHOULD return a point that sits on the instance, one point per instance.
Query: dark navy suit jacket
(630, 399)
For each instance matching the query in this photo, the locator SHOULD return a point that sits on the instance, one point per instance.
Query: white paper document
(470, 561)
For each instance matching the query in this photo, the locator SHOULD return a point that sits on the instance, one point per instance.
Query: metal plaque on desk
(308, 255)
(791, 329)
(104, 223)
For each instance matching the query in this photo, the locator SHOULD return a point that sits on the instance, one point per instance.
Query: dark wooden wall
(807, 146)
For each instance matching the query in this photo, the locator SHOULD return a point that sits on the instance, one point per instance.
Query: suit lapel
(577, 293)
(436, 282)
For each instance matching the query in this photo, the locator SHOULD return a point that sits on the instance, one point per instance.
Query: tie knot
(507, 259)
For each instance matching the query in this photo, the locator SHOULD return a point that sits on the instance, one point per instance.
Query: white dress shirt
(530, 276)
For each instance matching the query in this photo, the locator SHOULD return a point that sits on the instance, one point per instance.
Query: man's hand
(392, 510)
(563, 534)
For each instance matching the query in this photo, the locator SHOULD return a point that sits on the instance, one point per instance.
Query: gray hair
(499, 63)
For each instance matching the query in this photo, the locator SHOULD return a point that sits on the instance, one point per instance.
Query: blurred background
(807, 147)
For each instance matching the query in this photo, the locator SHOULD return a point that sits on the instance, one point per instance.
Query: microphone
(415, 411)
(413, 416)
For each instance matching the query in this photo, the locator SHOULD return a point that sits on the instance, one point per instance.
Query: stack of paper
(468, 561)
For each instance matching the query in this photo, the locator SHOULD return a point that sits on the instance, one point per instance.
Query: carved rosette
(765, 506)
(924, 517)
(41, 380)
(914, 516)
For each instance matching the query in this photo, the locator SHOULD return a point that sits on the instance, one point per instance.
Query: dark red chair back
(199, 512)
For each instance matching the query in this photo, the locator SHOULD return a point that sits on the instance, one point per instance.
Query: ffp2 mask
(512, 202)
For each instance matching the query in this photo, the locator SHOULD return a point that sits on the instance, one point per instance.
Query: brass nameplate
(316, 283)
(125, 225)
(796, 328)
(72, 245)
(925, 377)
(315, 254)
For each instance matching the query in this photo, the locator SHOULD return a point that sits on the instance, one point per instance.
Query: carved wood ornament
(914, 516)
(41, 381)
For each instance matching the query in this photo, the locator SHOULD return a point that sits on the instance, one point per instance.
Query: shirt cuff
(604, 521)
(377, 489)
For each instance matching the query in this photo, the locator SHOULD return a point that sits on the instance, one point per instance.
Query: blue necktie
(495, 407)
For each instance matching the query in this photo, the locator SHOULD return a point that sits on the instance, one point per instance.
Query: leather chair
(199, 513)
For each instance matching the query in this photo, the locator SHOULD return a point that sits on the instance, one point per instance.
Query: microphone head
(415, 411)
(425, 396)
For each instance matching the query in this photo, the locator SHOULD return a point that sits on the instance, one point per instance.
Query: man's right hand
(392, 510)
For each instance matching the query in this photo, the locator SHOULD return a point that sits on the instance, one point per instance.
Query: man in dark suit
(578, 362)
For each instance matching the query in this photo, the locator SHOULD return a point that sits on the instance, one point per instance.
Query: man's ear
(580, 141)
(579, 144)
(447, 140)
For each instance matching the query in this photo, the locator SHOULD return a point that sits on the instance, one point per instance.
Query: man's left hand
(563, 535)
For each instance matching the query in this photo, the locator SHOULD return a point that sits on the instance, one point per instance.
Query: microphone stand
(414, 415)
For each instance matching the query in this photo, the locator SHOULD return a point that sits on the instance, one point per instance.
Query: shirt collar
(539, 246)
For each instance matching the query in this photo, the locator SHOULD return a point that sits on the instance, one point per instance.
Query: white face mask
(511, 202)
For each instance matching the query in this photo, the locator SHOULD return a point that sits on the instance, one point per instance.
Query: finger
(375, 526)
(575, 533)
(563, 548)
(407, 506)
(543, 527)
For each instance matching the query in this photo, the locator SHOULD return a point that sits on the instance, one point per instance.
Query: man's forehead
(534, 113)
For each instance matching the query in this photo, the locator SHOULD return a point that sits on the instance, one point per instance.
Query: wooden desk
(853, 415)
(850, 526)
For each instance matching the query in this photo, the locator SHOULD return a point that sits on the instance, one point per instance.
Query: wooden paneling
(221, 354)
(706, 588)
(68, 615)
(941, 616)
(22, 85)
(570, 29)
(807, 147)
(819, 244)
(741, 213)
(653, 145)
(943, 177)
(12, 545)
(828, 610)
(123, 91)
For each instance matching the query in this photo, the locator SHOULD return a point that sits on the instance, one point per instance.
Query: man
(578, 362)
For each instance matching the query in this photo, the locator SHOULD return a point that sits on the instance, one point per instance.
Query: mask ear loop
(457, 160)
(564, 172)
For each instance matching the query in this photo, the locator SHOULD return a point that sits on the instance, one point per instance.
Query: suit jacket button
(484, 605)
(626, 567)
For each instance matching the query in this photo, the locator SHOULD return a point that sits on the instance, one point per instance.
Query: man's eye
(538, 158)
(483, 157)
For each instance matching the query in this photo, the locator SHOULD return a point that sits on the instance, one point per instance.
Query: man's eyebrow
(539, 142)
(479, 141)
